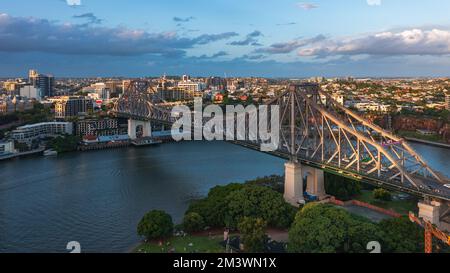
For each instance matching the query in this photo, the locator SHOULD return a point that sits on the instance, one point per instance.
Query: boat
(50, 153)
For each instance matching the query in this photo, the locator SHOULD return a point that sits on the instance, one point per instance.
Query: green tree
(320, 228)
(64, 144)
(253, 234)
(382, 194)
(360, 232)
(342, 188)
(155, 224)
(193, 222)
(401, 236)
(260, 202)
(274, 182)
(214, 207)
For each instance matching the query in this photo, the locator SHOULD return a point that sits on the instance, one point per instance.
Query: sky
(268, 38)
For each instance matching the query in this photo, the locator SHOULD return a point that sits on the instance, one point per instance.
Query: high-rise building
(43, 82)
(67, 107)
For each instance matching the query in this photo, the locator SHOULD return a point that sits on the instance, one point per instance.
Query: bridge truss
(316, 129)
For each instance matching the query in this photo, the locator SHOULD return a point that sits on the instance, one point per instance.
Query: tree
(382, 194)
(66, 143)
(260, 202)
(214, 207)
(253, 234)
(401, 236)
(193, 222)
(320, 228)
(360, 232)
(155, 224)
(342, 188)
(274, 182)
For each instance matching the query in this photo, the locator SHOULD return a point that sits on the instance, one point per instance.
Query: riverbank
(23, 154)
(427, 142)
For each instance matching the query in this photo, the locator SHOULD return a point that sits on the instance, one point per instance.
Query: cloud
(20, 34)
(209, 38)
(401, 42)
(307, 6)
(251, 57)
(73, 2)
(183, 20)
(288, 47)
(374, 2)
(251, 39)
(287, 24)
(214, 56)
(90, 17)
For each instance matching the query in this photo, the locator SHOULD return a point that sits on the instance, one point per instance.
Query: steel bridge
(317, 131)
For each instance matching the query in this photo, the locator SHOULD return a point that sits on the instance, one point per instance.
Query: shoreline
(128, 145)
(427, 142)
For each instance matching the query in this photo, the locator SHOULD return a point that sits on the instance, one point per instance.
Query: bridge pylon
(134, 125)
(293, 184)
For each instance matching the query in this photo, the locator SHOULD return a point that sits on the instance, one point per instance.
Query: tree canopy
(342, 188)
(193, 222)
(320, 228)
(253, 234)
(227, 205)
(402, 236)
(155, 224)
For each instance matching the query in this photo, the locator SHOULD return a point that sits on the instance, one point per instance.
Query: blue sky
(273, 38)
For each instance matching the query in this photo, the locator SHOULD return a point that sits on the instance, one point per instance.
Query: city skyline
(358, 38)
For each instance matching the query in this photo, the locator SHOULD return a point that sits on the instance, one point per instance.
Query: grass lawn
(400, 206)
(433, 138)
(200, 244)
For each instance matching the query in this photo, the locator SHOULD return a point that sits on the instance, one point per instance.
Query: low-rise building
(175, 94)
(31, 92)
(28, 133)
(191, 86)
(6, 148)
(447, 102)
(8, 105)
(97, 127)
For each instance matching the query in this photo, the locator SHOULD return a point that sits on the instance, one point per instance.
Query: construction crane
(430, 232)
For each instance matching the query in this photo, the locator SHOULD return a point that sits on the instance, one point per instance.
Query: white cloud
(374, 2)
(307, 6)
(403, 42)
(73, 2)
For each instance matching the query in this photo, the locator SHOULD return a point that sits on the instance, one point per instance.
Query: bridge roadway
(429, 188)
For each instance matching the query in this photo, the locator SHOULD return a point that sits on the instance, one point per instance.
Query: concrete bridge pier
(430, 211)
(315, 182)
(133, 126)
(293, 184)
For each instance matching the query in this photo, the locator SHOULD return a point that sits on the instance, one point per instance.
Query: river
(97, 198)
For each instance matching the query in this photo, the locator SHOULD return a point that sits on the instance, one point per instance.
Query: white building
(6, 148)
(28, 133)
(30, 92)
(191, 86)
